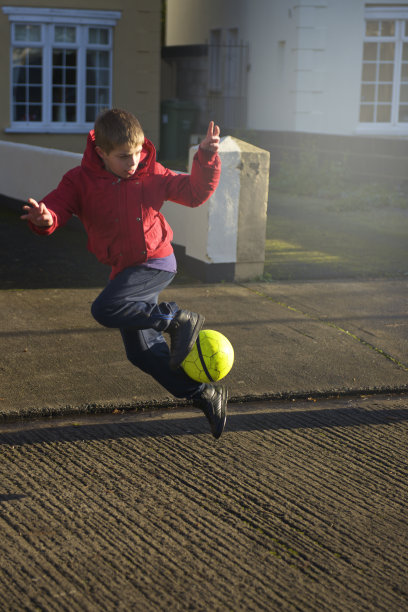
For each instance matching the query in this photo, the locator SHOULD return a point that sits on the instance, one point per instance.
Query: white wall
(201, 17)
(305, 57)
(28, 171)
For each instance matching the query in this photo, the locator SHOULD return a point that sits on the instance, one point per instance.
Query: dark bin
(178, 121)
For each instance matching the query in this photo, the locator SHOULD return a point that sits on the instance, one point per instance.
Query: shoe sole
(197, 328)
(220, 428)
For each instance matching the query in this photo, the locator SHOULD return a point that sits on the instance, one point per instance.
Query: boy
(117, 192)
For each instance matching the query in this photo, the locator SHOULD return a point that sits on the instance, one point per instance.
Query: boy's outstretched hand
(212, 140)
(38, 214)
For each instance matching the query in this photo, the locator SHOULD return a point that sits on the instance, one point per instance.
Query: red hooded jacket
(122, 216)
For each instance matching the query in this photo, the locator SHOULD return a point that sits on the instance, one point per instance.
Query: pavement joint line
(312, 317)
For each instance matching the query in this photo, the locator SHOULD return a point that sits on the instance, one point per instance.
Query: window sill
(370, 129)
(27, 128)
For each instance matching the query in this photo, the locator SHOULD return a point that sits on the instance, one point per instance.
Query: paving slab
(373, 310)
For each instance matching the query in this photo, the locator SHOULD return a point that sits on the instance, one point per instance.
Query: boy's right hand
(38, 214)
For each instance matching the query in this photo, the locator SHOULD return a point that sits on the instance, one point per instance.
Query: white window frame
(398, 14)
(48, 18)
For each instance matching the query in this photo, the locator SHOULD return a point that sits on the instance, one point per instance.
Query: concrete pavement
(301, 505)
(290, 340)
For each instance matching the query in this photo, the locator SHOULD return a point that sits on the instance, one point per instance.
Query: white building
(321, 66)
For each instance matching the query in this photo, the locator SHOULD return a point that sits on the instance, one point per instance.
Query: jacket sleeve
(195, 188)
(62, 203)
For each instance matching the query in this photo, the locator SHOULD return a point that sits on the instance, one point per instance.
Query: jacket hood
(91, 162)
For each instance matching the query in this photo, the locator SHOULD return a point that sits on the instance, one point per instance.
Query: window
(61, 68)
(384, 83)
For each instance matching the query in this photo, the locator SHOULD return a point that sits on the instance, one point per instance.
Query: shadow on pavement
(59, 261)
(140, 425)
(29, 261)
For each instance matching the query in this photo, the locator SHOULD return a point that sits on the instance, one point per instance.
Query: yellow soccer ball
(211, 358)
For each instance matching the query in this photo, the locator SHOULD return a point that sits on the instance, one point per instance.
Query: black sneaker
(183, 331)
(213, 401)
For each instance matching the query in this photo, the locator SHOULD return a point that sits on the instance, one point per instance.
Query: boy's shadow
(30, 261)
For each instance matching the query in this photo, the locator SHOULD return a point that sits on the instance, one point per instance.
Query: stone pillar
(224, 239)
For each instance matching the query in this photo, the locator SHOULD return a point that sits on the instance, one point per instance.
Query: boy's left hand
(212, 140)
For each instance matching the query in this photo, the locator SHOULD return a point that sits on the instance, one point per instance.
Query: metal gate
(227, 84)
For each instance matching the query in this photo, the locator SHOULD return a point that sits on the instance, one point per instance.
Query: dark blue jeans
(129, 303)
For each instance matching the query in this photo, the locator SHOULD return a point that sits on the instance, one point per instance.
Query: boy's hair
(115, 127)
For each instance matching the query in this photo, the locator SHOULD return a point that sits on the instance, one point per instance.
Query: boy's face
(122, 161)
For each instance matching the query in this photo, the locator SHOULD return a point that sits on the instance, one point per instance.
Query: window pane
(19, 75)
(369, 72)
(35, 94)
(372, 28)
(19, 93)
(103, 98)
(91, 113)
(35, 75)
(70, 113)
(384, 114)
(368, 93)
(387, 52)
(25, 32)
(19, 57)
(70, 94)
(65, 34)
(70, 58)
(19, 112)
(70, 76)
(57, 94)
(370, 52)
(103, 59)
(386, 72)
(385, 93)
(58, 113)
(58, 76)
(103, 77)
(35, 57)
(388, 28)
(367, 113)
(404, 93)
(35, 112)
(91, 77)
(405, 52)
(404, 73)
(403, 114)
(90, 95)
(98, 36)
(97, 59)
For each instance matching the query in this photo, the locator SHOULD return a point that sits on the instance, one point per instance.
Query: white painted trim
(54, 128)
(53, 15)
(386, 12)
(377, 129)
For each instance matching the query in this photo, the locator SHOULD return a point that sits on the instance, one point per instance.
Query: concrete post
(225, 238)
